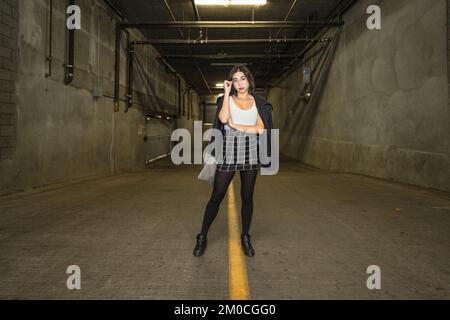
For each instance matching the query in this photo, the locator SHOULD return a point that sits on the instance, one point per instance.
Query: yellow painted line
(239, 289)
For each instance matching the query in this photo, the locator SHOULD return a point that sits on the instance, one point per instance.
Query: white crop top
(246, 117)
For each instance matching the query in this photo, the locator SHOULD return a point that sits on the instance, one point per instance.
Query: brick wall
(8, 68)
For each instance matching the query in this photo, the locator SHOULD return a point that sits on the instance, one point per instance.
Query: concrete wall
(192, 111)
(384, 111)
(63, 133)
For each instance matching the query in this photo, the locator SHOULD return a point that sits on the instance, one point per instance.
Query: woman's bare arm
(258, 128)
(224, 114)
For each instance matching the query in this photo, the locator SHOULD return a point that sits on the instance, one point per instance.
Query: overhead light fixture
(227, 63)
(219, 85)
(231, 2)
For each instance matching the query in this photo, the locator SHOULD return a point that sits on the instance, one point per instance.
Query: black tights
(221, 182)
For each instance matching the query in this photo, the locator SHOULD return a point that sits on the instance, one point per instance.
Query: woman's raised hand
(227, 86)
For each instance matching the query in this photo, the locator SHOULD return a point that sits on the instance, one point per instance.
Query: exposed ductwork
(288, 58)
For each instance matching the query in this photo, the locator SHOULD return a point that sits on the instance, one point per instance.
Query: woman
(241, 116)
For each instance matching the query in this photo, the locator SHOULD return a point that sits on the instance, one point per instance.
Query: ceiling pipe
(228, 41)
(231, 24)
(230, 56)
(167, 64)
(197, 14)
(114, 9)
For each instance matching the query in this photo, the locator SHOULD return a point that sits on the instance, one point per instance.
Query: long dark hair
(251, 80)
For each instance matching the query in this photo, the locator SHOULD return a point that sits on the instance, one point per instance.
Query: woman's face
(240, 82)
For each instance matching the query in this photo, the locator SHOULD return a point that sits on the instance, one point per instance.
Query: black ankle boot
(247, 246)
(200, 247)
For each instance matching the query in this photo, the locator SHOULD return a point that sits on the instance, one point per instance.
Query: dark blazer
(265, 112)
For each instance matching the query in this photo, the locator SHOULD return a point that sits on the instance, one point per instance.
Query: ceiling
(198, 71)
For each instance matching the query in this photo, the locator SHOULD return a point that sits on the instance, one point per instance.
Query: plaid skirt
(240, 151)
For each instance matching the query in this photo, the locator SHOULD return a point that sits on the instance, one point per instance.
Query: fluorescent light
(227, 63)
(231, 2)
(219, 85)
(212, 2)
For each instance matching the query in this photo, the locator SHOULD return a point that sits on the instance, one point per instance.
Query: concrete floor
(315, 233)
